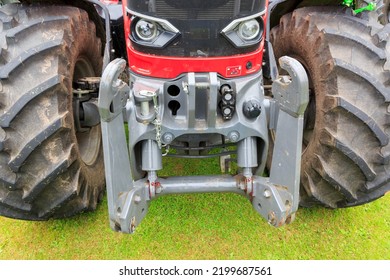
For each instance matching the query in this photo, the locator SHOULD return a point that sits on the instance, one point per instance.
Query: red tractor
(296, 93)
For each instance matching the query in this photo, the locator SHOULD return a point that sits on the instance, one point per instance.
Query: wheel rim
(88, 141)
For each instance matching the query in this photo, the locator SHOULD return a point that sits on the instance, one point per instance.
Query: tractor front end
(195, 90)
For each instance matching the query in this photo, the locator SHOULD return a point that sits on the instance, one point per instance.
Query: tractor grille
(164, 10)
(197, 9)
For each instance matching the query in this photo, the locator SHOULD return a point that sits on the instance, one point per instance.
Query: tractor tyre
(384, 16)
(47, 168)
(346, 147)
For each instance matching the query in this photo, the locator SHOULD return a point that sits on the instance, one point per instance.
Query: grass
(205, 226)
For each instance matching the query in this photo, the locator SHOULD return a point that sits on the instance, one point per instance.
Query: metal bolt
(267, 193)
(137, 199)
(272, 218)
(234, 136)
(168, 138)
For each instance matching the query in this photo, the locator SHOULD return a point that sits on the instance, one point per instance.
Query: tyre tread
(42, 175)
(347, 162)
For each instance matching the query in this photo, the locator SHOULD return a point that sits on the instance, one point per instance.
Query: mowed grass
(205, 226)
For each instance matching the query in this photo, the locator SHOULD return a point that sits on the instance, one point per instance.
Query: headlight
(150, 31)
(249, 30)
(146, 30)
(245, 32)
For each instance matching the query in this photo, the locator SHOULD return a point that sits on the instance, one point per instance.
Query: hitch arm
(112, 95)
(278, 200)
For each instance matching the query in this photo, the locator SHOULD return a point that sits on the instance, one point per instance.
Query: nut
(137, 199)
(267, 193)
(168, 138)
(234, 136)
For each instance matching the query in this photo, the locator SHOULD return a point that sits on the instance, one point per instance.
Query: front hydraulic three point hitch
(275, 197)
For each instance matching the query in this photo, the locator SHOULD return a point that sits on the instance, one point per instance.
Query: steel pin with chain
(157, 120)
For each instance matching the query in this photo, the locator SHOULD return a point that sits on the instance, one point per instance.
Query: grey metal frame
(131, 169)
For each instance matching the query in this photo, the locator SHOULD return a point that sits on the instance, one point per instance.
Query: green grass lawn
(205, 226)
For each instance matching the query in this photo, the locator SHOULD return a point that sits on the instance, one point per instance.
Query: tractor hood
(196, 28)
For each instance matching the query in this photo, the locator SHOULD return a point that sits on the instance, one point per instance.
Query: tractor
(292, 95)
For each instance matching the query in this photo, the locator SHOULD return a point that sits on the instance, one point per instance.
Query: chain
(157, 121)
(157, 124)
